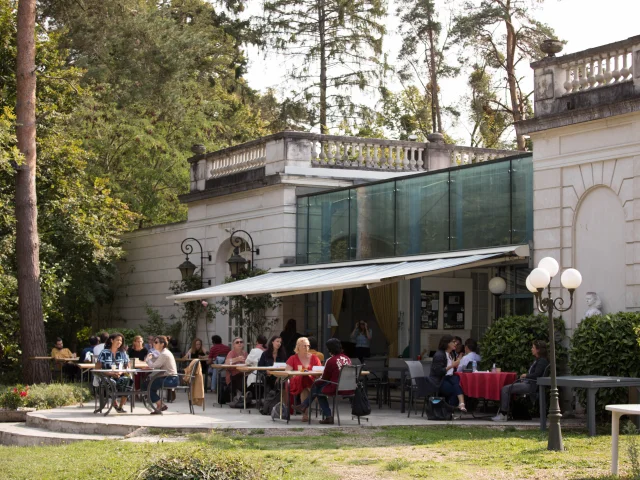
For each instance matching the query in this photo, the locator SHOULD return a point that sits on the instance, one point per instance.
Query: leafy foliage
(507, 343)
(202, 463)
(249, 313)
(606, 345)
(191, 312)
(44, 396)
(14, 397)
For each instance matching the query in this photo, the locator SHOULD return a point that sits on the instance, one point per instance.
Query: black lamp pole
(237, 241)
(548, 305)
(187, 249)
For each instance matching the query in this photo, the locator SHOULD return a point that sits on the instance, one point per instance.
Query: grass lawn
(394, 452)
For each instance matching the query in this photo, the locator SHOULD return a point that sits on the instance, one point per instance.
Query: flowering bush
(14, 397)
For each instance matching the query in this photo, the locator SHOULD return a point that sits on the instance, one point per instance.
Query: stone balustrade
(302, 149)
(598, 76)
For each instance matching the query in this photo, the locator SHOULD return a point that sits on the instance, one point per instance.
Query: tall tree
(503, 33)
(27, 241)
(424, 52)
(335, 45)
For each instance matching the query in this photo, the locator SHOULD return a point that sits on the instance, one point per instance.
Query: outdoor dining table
(55, 359)
(220, 367)
(284, 376)
(248, 369)
(591, 383)
(106, 388)
(85, 367)
(487, 385)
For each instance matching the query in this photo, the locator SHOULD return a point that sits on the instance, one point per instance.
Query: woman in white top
(166, 379)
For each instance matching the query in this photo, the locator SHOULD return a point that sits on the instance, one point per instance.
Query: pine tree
(503, 33)
(335, 44)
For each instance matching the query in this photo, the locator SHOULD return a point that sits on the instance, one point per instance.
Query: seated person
(112, 354)
(93, 341)
(302, 360)
(137, 350)
(174, 348)
(459, 351)
(234, 377)
(331, 374)
(217, 354)
(470, 354)
(442, 368)
(313, 341)
(58, 352)
(527, 383)
(261, 342)
(167, 379)
(273, 354)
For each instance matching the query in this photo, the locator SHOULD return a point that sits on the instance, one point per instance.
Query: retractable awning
(370, 273)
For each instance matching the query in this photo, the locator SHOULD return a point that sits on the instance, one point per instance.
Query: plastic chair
(347, 381)
(421, 386)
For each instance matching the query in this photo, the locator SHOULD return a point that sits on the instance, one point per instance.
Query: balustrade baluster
(624, 72)
(345, 155)
(360, 158)
(323, 152)
(616, 71)
(367, 156)
(568, 86)
(591, 78)
(576, 78)
(607, 69)
(420, 161)
(314, 153)
(412, 159)
(600, 73)
(337, 154)
(384, 161)
(376, 159)
(583, 76)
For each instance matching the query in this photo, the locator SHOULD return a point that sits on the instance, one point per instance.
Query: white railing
(237, 160)
(280, 150)
(598, 70)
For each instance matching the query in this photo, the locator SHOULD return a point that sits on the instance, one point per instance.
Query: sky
(582, 23)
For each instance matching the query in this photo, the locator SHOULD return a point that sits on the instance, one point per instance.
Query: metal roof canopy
(281, 282)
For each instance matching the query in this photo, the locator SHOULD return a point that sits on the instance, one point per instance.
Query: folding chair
(421, 386)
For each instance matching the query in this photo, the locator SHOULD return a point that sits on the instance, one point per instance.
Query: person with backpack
(322, 386)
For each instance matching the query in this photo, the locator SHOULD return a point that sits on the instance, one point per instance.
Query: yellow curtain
(336, 306)
(384, 300)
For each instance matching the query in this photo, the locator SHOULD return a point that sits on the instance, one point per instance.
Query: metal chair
(421, 386)
(184, 384)
(347, 381)
(377, 380)
(392, 376)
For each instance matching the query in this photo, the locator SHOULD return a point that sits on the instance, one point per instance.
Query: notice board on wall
(453, 310)
(429, 308)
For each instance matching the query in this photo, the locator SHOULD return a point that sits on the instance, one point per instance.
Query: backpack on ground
(237, 402)
(520, 408)
(439, 409)
(273, 397)
(360, 406)
(275, 412)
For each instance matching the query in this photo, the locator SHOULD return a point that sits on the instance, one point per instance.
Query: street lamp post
(537, 281)
(237, 262)
(187, 269)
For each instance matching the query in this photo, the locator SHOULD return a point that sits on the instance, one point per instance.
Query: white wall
(587, 208)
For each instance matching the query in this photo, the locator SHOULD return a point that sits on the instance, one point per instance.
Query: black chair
(377, 379)
(421, 386)
(347, 381)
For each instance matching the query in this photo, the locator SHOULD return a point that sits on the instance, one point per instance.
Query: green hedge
(507, 343)
(202, 463)
(606, 345)
(43, 396)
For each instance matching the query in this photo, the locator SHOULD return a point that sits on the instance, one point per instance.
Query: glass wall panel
(522, 200)
(422, 214)
(373, 220)
(480, 199)
(328, 227)
(302, 211)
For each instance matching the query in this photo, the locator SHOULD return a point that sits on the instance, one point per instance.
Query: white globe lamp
(497, 285)
(571, 279)
(539, 278)
(530, 287)
(550, 265)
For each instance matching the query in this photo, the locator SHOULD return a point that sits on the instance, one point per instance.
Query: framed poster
(453, 310)
(429, 308)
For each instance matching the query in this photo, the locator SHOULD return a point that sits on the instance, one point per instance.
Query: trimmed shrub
(606, 345)
(507, 343)
(203, 464)
(54, 395)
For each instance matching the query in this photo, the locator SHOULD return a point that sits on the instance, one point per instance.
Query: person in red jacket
(331, 374)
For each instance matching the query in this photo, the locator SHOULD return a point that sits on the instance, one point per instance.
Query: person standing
(290, 335)
(361, 335)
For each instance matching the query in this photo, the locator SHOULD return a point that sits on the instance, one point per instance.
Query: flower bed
(17, 400)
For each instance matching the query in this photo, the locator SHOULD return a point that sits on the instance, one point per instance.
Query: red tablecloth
(485, 385)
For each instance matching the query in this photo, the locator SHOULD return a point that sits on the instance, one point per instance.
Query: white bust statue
(594, 305)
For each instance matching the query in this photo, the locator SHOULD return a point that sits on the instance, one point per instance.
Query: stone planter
(14, 415)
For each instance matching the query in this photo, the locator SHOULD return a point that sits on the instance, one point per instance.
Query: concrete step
(22, 435)
(80, 426)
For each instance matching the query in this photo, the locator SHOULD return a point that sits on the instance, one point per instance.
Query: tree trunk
(433, 70)
(323, 69)
(32, 337)
(511, 74)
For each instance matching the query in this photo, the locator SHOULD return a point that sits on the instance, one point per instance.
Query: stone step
(22, 435)
(79, 426)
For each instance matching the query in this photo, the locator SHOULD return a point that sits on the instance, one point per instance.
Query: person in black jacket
(442, 375)
(527, 383)
(275, 352)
